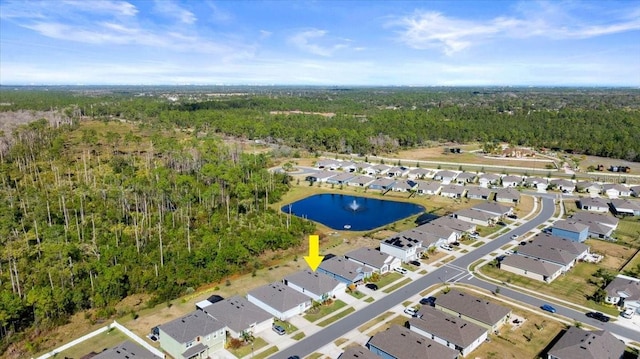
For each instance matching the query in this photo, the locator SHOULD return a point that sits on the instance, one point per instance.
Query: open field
(628, 231)
(97, 344)
(615, 254)
(575, 286)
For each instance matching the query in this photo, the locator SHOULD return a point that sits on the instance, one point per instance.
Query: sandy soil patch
(615, 255)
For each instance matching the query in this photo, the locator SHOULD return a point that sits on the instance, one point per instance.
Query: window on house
(189, 344)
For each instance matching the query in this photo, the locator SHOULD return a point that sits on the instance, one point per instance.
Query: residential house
(362, 167)
(488, 179)
(193, 336)
(446, 177)
(577, 343)
(126, 350)
(570, 229)
(494, 208)
(564, 185)
(600, 225)
(382, 184)
(357, 352)
(443, 233)
(280, 300)
(475, 192)
(453, 191)
(450, 331)
(465, 177)
(404, 248)
(318, 286)
(378, 169)
(580, 250)
(428, 188)
(360, 181)
(538, 183)
(457, 225)
(531, 268)
(512, 181)
(624, 292)
(327, 164)
(591, 188)
(373, 259)
(320, 176)
(401, 343)
(341, 178)
(507, 195)
(403, 186)
(344, 270)
(556, 250)
(615, 190)
(473, 309)
(398, 171)
(594, 204)
(239, 316)
(625, 207)
(420, 173)
(635, 190)
(348, 166)
(427, 239)
(476, 217)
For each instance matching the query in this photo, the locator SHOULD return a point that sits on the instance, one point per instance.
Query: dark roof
(369, 256)
(547, 252)
(237, 313)
(314, 282)
(126, 350)
(473, 307)
(358, 353)
(402, 242)
(577, 343)
(628, 286)
(192, 325)
(571, 226)
(402, 343)
(279, 296)
(531, 265)
(452, 329)
(342, 267)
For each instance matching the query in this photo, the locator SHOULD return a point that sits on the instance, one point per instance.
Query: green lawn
(573, 287)
(397, 285)
(478, 244)
(324, 310)
(336, 317)
(388, 278)
(290, 328)
(298, 336)
(266, 353)
(356, 294)
(369, 300)
(376, 320)
(96, 344)
(628, 231)
(247, 349)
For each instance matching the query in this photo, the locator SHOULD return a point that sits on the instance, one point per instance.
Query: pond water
(343, 212)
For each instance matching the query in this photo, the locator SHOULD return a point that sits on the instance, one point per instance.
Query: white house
(538, 183)
(420, 173)
(615, 190)
(594, 204)
(428, 188)
(374, 259)
(443, 233)
(511, 181)
(465, 177)
(398, 171)
(404, 248)
(624, 291)
(475, 192)
(403, 186)
(446, 177)
(318, 286)
(589, 187)
(280, 300)
(564, 185)
(488, 179)
(240, 316)
(453, 191)
(476, 217)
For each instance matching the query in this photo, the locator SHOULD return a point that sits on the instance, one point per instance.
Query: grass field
(97, 344)
(628, 231)
(379, 319)
(615, 254)
(387, 279)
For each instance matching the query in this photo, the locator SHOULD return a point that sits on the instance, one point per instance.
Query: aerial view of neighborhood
(319, 179)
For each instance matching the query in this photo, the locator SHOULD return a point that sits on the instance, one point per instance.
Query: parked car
(278, 329)
(474, 235)
(371, 286)
(431, 301)
(514, 236)
(294, 357)
(410, 311)
(548, 308)
(501, 223)
(598, 316)
(400, 270)
(513, 216)
(446, 247)
(415, 263)
(628, 313)
(455, 244)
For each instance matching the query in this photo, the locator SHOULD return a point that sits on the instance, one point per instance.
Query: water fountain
(354, 206)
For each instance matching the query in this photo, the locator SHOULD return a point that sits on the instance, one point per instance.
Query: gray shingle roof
(278, 296)
(369, 256)
(314, 282)
(570, 225)
(507, 193)
(440, 231)
(551, 241)
(126, 350)
(402, 343)
(577, 343)
(445, 174)
(457, 225)
(426, 238)
(361, 179)
(531, 265)
(492, 207)
(615, 187)
(342, 267)
(466, 176)
(384, 182)
(620, 204)
(452, 329)
(624, 286)
(516, 179)
(475, 191)
(546, 252)
(474, 214)
(453, 189)
(342, 177)
(428, 186)
(593, 202)
(358, 353)
(472, 307)
(237, 313)
(192, 325)
(490, 177)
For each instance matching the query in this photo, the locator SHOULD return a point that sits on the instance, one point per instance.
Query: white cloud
(308, 41)
(118, 8)
(434, 30)
(172, 9)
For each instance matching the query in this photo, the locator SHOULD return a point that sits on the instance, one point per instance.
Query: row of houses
(620, 207)
(582, 225)
(361, 172)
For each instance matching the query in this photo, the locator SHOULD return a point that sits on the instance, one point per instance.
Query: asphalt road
(453, 271)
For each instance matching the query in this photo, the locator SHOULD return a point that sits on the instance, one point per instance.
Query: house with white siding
(475, 192)
(404, 248)
(512, 181)
(403, 186)
(373, 259)
(591, 188)
(538, 183)
(624, 292)
(428, 188)
(615, 190)
(319, 286)
(564, 185)
(465, 177)
(488, 179)
(446, 177)
(420, 173)
(476, 217)
(453, 191)
(344, 270)
(507, 195)
(320, 176)
(279, 300)
(594, 204)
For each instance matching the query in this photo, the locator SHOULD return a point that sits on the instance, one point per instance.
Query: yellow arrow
(314, 258)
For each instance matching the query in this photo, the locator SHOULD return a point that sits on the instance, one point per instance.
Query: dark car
(598, 316)
(371, 286)
(548, 308)
(431, 301)
(278, 329)
(513, 216)
(455, 244)
(415, 263)
(294, 357)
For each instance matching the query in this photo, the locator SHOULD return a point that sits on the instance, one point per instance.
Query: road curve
(443, 274)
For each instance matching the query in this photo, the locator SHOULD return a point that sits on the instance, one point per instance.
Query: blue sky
(421, 43)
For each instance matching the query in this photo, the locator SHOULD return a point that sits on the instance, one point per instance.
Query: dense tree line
(91, 216)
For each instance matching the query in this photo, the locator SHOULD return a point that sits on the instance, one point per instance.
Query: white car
(628, 313)
(410, 311)
(446, 247)
(515, 236)
(400, 270)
